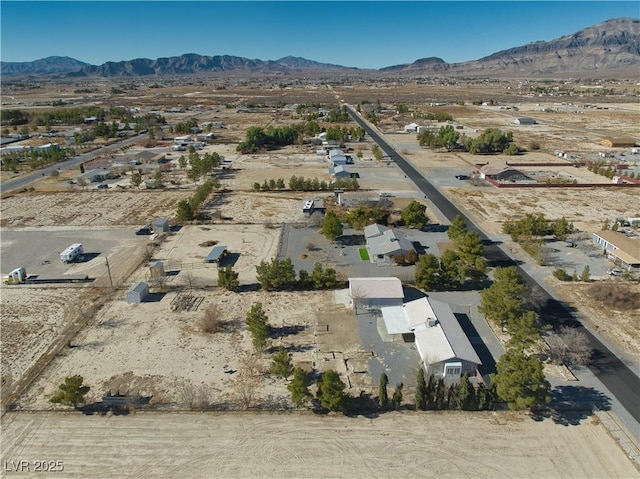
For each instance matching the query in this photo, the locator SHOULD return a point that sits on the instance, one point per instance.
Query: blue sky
(360, 34)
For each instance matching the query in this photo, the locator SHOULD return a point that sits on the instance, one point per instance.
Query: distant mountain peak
(299, 62)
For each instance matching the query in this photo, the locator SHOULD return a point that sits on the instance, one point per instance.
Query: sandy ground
(492, 445)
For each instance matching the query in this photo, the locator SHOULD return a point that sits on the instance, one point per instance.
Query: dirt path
(244, 445)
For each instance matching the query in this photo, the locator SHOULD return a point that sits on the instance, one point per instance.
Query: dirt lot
(498, 445)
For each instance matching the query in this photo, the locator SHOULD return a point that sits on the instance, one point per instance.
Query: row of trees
(188, 209)
(271, 185)
(520, 378)
(279, 275)
(258, 139)
(199, 165)
(536, 225)
(491, 140)
(446, 137)
(435, 395)
(308, 184)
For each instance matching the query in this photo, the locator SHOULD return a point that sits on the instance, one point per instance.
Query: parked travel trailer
(71, 253)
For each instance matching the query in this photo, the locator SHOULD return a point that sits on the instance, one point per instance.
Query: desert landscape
(157, 350)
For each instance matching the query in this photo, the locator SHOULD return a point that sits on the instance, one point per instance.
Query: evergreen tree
(228, 278)
(382, 391)
(397, 396)
(421, 391)
(457, 229)
(586, 274)
(483, 398)
(331, 391)
(452, 397)
(331, 226)
(501, 302)
(520, 380)
(439, 394)
(466, 394)
(414, 215)
(281, 364)
(299, 387)
(72, 391)
(257, 324)
(431, 392)
(428, 272)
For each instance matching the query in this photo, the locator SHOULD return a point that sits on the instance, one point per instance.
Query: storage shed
(160, 225)
(137, 292)
(217, 253)
(156, 269)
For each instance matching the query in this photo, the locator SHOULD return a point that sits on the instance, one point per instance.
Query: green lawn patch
(364, 254)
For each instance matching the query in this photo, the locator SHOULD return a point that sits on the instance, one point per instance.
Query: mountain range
(610, 48)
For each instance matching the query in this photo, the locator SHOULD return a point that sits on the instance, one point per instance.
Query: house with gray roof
(444, 348)
(339, 172)
(384, 243)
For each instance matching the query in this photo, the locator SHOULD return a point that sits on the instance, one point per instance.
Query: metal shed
(137, 292)
(216, 254)
(160, 225)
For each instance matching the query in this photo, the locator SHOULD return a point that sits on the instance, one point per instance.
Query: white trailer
(71, 253)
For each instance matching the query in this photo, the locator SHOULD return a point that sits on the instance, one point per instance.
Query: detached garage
(137, 292)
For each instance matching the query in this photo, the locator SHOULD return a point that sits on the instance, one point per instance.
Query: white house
(445, 351)
(375, 292)
(384, 243)
(337, 157)
(411, 128)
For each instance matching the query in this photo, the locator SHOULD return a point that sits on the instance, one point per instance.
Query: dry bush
(311, 247)
(208, 243)
(570, 347)
(615, 295)
(211, 321)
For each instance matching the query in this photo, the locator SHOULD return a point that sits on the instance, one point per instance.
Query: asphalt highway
(614, 374)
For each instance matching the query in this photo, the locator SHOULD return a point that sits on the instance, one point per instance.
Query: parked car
(103, 186)
(145, 230)
(462, 177)
(614, 272)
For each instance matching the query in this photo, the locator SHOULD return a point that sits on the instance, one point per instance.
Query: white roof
(440, 342)
(378, 288)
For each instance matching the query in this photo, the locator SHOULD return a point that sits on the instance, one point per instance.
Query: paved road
(71, 163)
(614, 374)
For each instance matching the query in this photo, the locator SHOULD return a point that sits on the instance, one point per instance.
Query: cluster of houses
(445, 350)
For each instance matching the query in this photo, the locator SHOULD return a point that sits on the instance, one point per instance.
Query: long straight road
(614, 374)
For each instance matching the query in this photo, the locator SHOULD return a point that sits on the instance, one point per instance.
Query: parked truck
(71, 253)
(20, 276)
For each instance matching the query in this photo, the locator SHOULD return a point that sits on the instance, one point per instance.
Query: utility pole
(109, 271)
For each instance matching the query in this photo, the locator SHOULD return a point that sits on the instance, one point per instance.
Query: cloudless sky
(360, 34)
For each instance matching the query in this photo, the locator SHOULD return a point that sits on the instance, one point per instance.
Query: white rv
(71, 253)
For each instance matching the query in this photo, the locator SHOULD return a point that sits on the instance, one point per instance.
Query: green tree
(520, 380)
(421, 391)
(72, 391)
(414, 215)
(299, 387)
(331, 391)
(383, 398)
(277, 275)
(523, 330)
(562, 228)
(323, 278)
(331, 226)
(438, 395)
(431, 392)
(466, 394)
(458, 228)
(397, 396)
(185, 211)
(484, 398)
(281, 364)
(502, 300)
(428, 272)
(136, 179)
(586, 274)
(257, 324)
(228, 278)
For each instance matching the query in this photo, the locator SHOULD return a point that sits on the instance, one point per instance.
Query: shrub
(615, 295)
(211, 322)
(562, 275)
